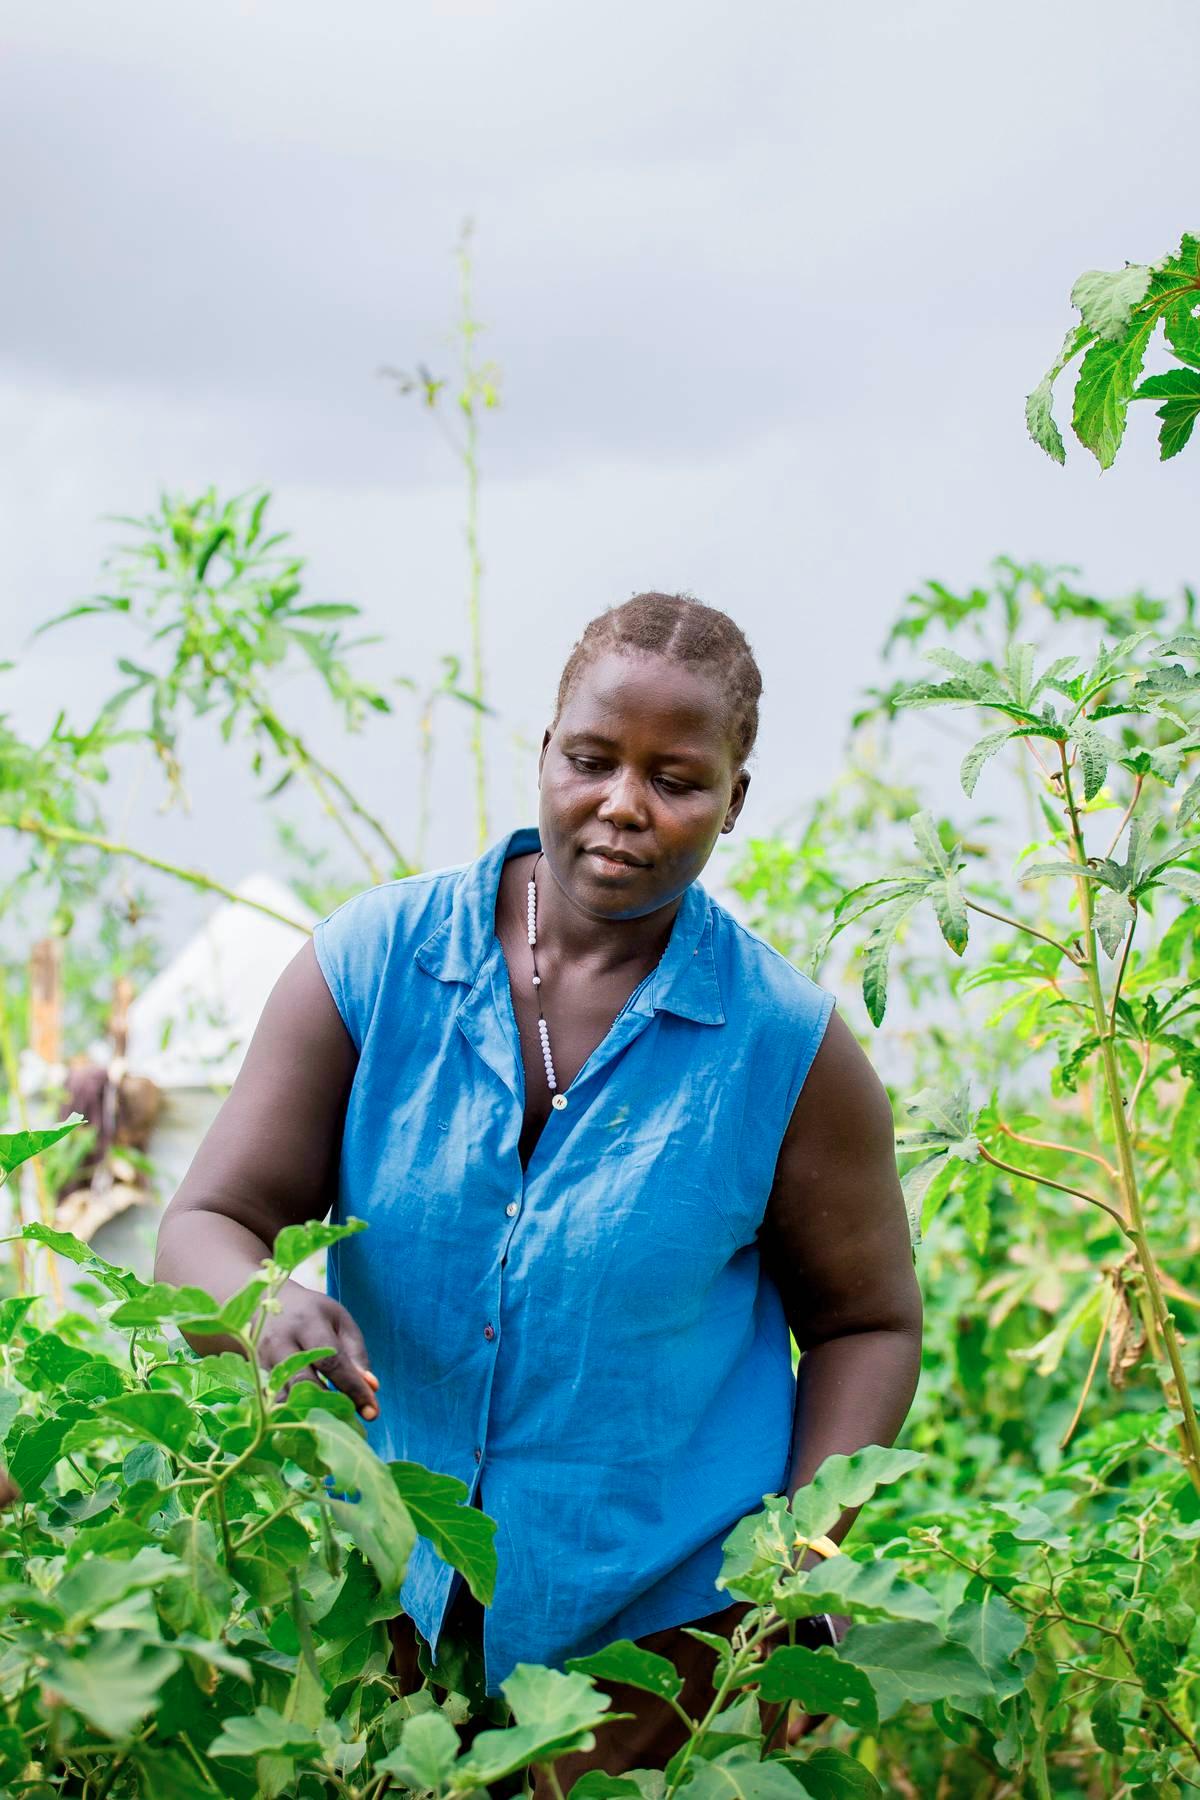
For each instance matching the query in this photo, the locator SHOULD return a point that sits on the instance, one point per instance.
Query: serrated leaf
(1094, 752)
(1184, 881)
(1106, 381)
(1189, 802)
(1180, 388)
(1106, 298)
(978, 755)
(951, 910)
(1112, 916)
(1040, 421)
(928, 842)
(878, 949)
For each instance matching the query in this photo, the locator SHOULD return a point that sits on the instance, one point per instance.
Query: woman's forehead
(644, 686)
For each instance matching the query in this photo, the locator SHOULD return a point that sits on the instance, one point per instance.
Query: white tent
(188, 1031)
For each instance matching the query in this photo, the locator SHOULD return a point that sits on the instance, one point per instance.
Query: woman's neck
(568, 936)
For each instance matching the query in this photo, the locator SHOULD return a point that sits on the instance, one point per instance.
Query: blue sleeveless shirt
(589, 1344)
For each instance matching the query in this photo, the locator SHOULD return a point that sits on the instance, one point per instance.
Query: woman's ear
(737, 800)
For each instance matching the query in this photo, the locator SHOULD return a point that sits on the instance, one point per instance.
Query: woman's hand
(306, 1321)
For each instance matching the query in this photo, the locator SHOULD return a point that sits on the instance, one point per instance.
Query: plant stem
(1156, 1317)
(1021, 1137)
(468, 328)
(68, 834)
(1047, 1181)
(8, 1055)
(1017, 925)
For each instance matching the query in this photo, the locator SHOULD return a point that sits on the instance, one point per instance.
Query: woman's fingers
(350, 1369)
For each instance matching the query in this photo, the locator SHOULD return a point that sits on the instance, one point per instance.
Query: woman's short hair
(682, 628)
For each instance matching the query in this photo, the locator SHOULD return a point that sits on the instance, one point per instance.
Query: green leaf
(379, 1522)
(1180, 388)
(832, 1775)
(865, 1590)
(993, 1632)
(94, 1585)
(20, 1145)
(426, 1753)
(114, 1683)
(596, 1785)
(628, 1662)
(820, 1681)
(1189, 803)
(978, 754)
(1112, 916)
(1184, 881)
(1094, 752)
(1183, 332)
(925, 832)
(462, 1535)
(1107, 1728)
(325, 610)
(1040, 421)
(264, 1732)
(878, 949)
(738, 1775)
(1106, 298)
(848, 1481)
(913, 1663)
(37, 1452)
(951, 910)
(162, 1304)
(1106, 381)
(555, 1713)
(296, 1243)
(161, 1417)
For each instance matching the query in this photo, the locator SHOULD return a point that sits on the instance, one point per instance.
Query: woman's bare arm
(270, 1159)
(836, 1243)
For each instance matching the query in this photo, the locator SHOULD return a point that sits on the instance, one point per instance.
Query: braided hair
(682, 628)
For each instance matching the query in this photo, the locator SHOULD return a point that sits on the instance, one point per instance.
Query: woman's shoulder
(405, 904)
(756, 968)
(373, 936)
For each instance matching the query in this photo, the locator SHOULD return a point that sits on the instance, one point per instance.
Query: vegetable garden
(198, 1554)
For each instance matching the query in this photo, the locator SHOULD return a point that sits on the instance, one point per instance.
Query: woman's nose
(623, 802)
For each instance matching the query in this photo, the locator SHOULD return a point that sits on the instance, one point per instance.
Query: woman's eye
(673, 787)
(588, 764)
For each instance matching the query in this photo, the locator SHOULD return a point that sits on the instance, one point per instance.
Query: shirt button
(511, 1209)
(559, 1102)
(478, 1454)
(489, 1331)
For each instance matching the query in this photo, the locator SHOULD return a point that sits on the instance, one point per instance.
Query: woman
(610, 1146)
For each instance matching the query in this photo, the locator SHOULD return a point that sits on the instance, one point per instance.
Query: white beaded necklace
(531, 921)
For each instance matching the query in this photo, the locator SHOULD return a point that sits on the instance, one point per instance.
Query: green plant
(1120, 311)
(478, 391)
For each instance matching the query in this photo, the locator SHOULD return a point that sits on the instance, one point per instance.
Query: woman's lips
(608, 865)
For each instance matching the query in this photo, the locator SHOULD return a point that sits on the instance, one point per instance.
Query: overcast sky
(767, 283)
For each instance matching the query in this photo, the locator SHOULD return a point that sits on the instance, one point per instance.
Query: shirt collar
(684, 982)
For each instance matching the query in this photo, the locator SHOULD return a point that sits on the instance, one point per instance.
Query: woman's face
(640, 764)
